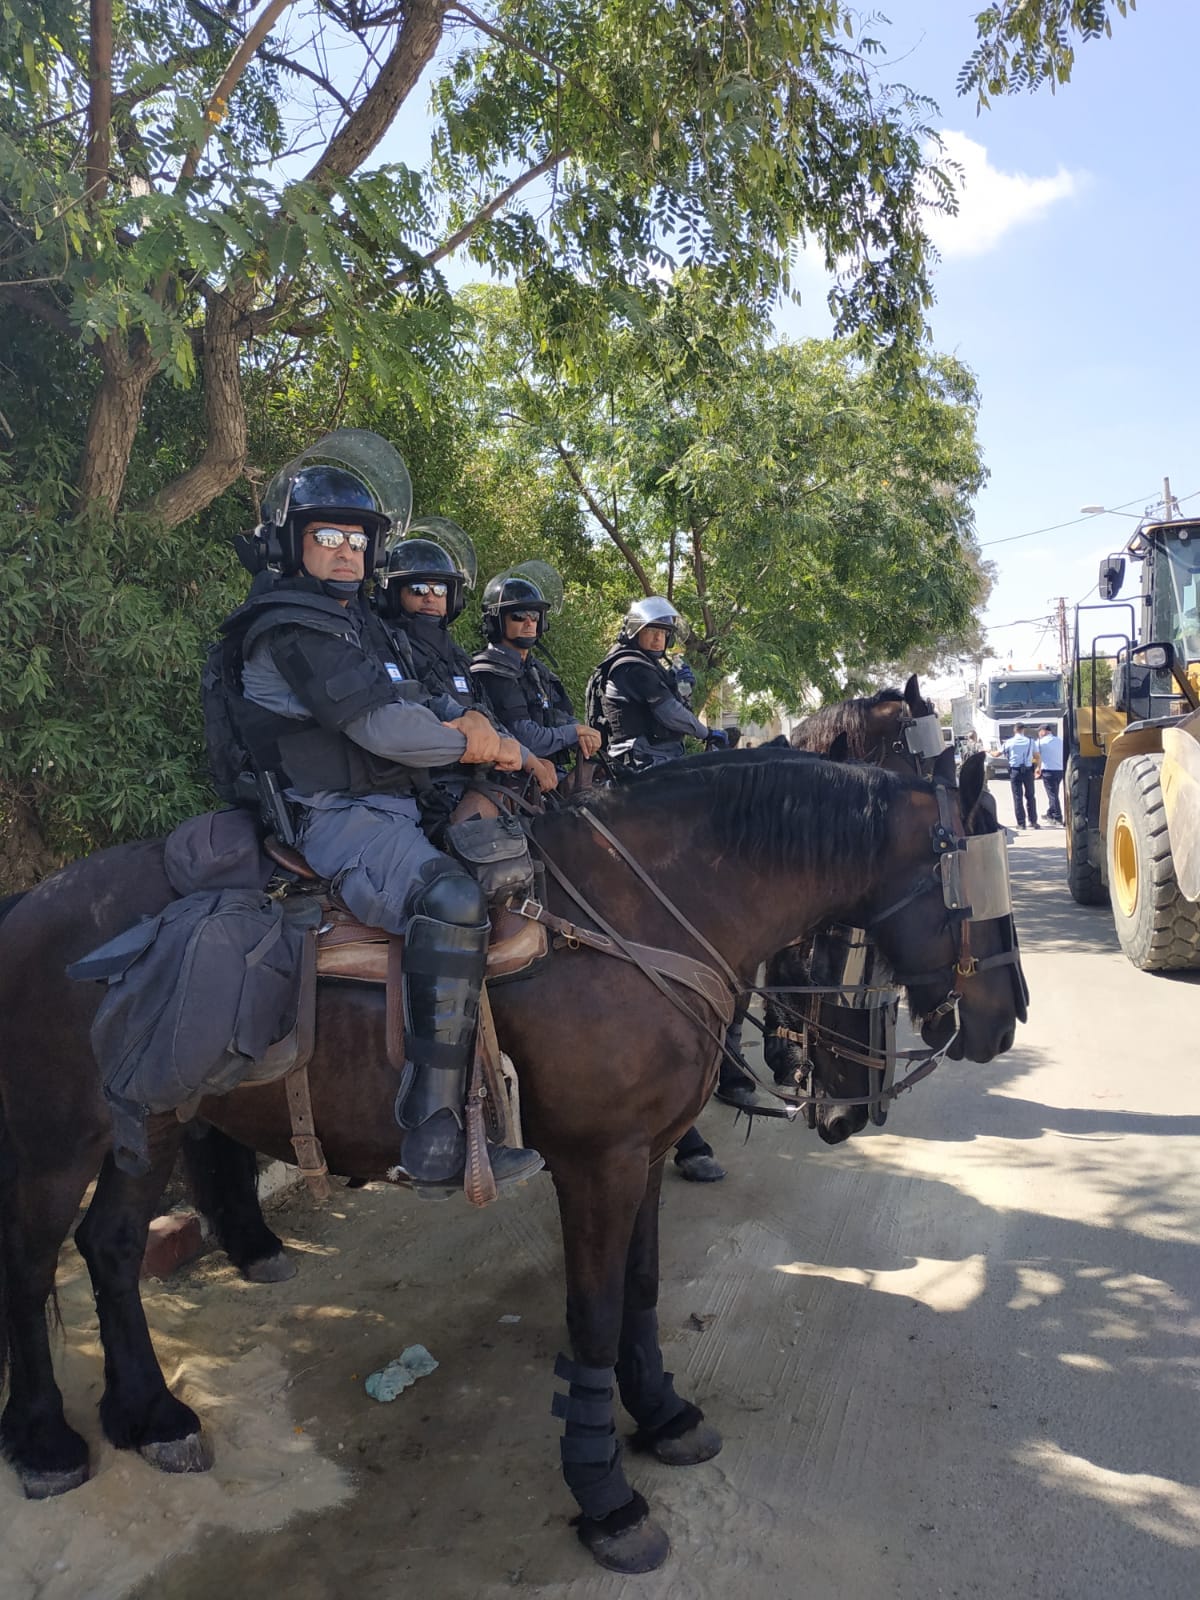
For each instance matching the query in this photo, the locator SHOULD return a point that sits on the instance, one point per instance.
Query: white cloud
(992, 202)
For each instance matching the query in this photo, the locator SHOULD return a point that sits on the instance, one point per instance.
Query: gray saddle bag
(196, 996)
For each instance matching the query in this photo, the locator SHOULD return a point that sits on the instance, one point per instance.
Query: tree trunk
(224, 413)
(113, 424)
(25, 858)
(415, 46)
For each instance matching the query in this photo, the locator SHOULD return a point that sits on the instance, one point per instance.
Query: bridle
(947, 840)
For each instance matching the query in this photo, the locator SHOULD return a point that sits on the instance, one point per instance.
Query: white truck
(1035, 696)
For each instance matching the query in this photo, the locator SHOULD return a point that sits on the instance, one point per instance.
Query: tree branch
(448, 246)
(99, 132)
(602, 517)
(286, 64)
(48, 310)
(218, 103)
(224, 454)
(417, 41)
(701, 582)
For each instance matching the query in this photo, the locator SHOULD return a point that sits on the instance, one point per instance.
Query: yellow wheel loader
(1131, 799)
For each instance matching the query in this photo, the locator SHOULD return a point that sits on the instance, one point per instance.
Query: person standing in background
(1020, 751)
(1050, 748)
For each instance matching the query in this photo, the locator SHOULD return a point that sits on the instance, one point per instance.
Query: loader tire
(1159, 930)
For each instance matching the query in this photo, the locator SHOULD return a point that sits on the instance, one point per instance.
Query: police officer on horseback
(421, 590)
(527, 698)
(636, 701)
(332, 713)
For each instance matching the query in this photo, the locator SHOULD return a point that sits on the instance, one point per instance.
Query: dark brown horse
(754, 849)
(869, 728)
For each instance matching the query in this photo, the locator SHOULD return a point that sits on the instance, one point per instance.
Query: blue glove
(717, 738)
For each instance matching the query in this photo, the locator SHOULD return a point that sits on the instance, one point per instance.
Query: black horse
(869, 728)
(612, 1071)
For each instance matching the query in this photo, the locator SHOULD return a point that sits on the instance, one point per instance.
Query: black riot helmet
(329, 494)
(531, 586)
(349, 476)
(434, 550)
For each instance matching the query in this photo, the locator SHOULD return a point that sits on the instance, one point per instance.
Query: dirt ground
(956, 1356)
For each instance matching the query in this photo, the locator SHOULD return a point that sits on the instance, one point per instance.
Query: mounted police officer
(639, 701)
(640, 708)
(421, 590)
(523, 693)
(343, 731)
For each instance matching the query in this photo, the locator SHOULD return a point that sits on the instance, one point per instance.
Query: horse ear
(943, 768)
(839, 750)
(972, 783)
(913, 697)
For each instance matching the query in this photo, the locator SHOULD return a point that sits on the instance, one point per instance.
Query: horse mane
(771, 807)
(821, 728)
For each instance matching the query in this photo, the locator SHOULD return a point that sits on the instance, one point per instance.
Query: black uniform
(528, 699)
(644, 718)
(442, 665)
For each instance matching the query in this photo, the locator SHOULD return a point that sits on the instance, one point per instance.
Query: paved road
(958, 1356)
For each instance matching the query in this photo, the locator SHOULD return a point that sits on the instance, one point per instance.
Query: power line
(1054, 527)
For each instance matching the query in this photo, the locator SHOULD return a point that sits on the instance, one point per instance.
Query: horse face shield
(923, 738)
(975, 880)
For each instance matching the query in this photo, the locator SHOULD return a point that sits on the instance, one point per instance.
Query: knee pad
(445, 893)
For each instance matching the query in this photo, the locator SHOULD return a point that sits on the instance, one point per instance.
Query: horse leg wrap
(647, 1392)
(591, 1451)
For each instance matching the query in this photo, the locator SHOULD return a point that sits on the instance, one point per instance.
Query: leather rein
(721, 988)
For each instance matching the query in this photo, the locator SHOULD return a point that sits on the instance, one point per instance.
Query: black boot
(445, 952)
(734, 1086)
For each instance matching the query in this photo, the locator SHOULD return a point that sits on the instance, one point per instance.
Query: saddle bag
(496, 853)
(196, 997)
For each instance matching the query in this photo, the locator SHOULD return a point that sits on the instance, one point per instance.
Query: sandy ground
(958, 1356)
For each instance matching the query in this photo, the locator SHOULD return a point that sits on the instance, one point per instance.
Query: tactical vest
(623, 720)
(542, 695)
(438, 673)
(299, 753)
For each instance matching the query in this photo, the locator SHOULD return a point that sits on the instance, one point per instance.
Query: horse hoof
(190, 1454)
(45, 1485)
(700, 1443)
(270, 1269)
(640, 1548)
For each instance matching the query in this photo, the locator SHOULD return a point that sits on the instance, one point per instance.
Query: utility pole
(1059, 602)
(1168, 501)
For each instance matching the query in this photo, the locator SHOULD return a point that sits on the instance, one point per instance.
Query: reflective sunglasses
(333, 538)
(422, 589)
(522, 616)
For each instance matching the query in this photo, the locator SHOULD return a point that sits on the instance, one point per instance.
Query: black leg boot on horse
(735, 1087)
(445, 952)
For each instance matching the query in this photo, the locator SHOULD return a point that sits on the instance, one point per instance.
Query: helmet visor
(455, 541)
(371, 459)
(544, 579)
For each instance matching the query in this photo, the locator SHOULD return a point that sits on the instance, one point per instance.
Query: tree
(1024, 44)
(808, 511)
(154, 218)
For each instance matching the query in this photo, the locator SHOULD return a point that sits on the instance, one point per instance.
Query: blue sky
(1066, 284)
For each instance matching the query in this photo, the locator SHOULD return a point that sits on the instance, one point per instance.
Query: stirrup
(510, 1165)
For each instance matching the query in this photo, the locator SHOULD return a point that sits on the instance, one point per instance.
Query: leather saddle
(349, 949)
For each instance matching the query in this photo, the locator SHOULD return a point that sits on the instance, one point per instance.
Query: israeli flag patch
(393, 672)
(461, 684)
